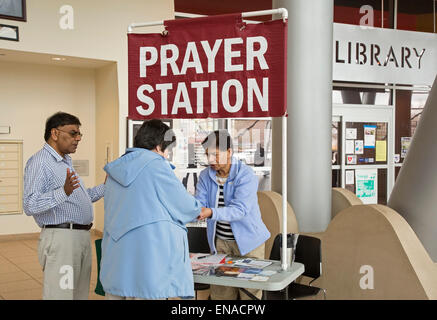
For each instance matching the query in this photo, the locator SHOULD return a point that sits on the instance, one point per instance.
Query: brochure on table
(220, 266)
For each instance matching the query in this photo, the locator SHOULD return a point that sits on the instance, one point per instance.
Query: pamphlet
(228, 271)
(243, 269)
(252, 270)
(201, 271)
(252, 263)
(246, 276)
(207, 259)
(259, 278)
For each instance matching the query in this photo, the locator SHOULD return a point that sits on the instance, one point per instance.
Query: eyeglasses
(73, 134)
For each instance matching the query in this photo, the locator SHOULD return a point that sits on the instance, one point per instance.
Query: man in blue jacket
(228, 188)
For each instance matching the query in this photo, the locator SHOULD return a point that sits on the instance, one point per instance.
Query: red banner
(209, 67)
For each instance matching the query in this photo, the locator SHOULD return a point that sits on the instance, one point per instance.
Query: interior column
(309, 90)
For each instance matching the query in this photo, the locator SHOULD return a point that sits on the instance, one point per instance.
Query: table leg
(286, 293)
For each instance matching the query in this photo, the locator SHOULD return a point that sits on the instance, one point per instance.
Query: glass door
(364, 160)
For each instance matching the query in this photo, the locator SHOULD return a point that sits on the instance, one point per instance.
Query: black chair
(309, 253)
(198, 243)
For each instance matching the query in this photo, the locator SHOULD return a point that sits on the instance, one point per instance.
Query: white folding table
(280, 280)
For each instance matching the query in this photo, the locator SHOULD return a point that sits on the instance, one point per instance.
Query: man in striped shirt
(61, 205)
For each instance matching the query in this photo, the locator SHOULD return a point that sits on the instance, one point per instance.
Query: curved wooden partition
(375, 239)
(343, 199)
(270, 204)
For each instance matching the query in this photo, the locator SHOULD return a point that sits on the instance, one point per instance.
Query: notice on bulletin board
(359, 147)
(351, 133)
(349, 146)
(405, 145)
(351, 159)
(366, 182)
(381, 150)
(369, 136)
(350, 177)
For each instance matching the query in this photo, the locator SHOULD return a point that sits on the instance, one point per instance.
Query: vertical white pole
(284, 194)
(382, 13)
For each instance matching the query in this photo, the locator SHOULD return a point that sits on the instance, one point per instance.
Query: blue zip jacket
(241, 206)
(145, 247)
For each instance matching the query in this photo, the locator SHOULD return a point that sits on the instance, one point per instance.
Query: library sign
(384, 55)
(216, 67)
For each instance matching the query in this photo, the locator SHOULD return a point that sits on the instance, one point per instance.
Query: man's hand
(71, 182)
(205, 213)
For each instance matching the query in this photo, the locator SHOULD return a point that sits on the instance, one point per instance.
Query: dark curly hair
(154, 133)
(59, 119)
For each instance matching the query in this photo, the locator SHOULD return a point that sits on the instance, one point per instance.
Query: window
(252, 140)
(361, 95)
(417, 15)
(409, 108)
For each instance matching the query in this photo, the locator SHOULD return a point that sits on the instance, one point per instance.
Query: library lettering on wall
(382, 78)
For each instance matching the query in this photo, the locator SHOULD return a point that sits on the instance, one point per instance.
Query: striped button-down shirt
(44, 197)
(224, 229)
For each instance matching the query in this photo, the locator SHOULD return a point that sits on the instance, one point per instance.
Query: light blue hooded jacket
(145, 247)
(241, 206)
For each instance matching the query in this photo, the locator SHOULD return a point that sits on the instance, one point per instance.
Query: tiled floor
(21, 276)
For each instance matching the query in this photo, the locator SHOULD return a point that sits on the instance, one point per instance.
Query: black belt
(70, 226)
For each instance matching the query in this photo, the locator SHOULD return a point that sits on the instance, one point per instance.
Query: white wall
(107, 132)
(29, 94)
(100, 32)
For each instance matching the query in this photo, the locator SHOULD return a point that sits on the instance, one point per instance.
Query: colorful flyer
(366, 182)
(405, 145)
(369, 136)
(359, 146)
(351, 159)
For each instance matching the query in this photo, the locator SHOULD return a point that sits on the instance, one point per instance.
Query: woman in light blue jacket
(229, 188)
(145, 248)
